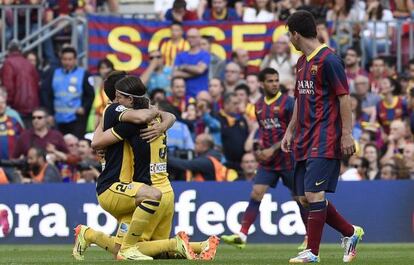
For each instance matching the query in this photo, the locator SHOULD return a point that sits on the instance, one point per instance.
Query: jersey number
(163, 151)
(121, 187)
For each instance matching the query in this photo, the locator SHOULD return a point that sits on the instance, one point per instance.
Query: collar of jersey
(393, 104)
(315, 52)
(272, 100)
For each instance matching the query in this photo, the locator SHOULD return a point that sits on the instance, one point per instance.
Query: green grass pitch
(378, 254)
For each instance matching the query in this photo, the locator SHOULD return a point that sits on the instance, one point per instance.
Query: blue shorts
(315, 175)
(271, 177)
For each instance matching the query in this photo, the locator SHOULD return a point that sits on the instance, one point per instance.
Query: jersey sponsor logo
(306, 87)
(270, 123)
(158, 168)
(120, 108)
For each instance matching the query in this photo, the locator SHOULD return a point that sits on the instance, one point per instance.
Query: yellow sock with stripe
(157, 247)
(104, 241)
(144, 211)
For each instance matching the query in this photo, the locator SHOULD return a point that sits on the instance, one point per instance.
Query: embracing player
(320, 129)
(273, 112)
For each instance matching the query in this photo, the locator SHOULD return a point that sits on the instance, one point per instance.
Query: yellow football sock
(102, 240)
(197, 247)
(154, 248)
(139, 221)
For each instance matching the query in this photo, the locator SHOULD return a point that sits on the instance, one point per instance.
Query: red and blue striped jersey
(320, 79)
(386, 113)
(10, 129)
(274, 116)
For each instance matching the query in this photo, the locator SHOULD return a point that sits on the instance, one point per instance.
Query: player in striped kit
(273, 112)
(321, 132)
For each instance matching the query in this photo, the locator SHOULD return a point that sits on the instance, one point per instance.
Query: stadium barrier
(47, 213)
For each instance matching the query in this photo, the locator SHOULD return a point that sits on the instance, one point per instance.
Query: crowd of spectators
(46, 117)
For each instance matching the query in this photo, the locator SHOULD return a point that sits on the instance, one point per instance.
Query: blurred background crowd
(50, 104)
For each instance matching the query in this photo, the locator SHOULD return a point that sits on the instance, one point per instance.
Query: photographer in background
(206, 166)
(40, 171)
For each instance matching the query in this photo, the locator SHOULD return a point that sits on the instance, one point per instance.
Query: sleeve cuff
(116, 135)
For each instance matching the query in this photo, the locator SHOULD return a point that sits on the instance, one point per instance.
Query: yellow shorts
(159, 226)
(119, 199)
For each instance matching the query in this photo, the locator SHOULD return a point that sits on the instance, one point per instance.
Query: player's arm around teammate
(103, 139)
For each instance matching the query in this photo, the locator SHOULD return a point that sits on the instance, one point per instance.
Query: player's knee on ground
(257, 193)
(148, 193)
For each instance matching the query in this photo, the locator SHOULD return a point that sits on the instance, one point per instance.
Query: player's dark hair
(267, 71)
(243, 87)
(133, 86)
(303, 23)
(110, 81)
(69, 50)
(411, 61)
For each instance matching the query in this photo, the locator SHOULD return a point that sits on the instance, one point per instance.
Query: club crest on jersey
(398, 112)
(120, 108)
(123, 228)
(314, 70)
(130, 186)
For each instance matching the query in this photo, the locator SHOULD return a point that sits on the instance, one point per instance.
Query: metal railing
(43, 32)
(15, 11)
(398, 39)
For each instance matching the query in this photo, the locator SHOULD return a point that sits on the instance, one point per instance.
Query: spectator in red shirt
(21, 80)
(40, 136)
